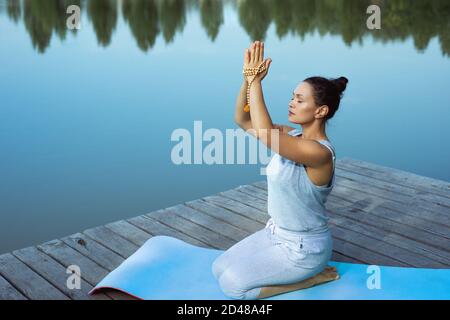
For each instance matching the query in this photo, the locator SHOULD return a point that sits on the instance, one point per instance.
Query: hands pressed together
(253, 59)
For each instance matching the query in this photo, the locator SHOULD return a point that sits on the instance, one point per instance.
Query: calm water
(86, 117)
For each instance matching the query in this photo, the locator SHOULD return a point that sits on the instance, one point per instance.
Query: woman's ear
(323, 110)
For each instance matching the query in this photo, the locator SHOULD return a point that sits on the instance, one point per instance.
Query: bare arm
(241, 117)
(305, 151)
(283, 128)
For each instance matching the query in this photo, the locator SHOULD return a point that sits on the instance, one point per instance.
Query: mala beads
(252, 72)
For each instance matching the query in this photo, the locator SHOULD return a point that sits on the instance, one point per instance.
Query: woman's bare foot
(328, 274)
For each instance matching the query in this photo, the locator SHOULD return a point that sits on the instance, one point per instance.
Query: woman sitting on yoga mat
(293, 250)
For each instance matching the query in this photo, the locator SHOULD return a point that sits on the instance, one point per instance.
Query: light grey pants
(271, 256)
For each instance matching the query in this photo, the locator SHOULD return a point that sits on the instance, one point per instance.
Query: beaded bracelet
(248, 72)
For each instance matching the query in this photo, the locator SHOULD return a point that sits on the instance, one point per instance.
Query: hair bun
(341, 83)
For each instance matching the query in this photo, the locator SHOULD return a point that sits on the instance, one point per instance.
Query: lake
(86, 115)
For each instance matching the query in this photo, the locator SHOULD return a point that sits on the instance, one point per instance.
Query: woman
(293, 250)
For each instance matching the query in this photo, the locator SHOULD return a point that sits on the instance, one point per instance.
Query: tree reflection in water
(422, 20)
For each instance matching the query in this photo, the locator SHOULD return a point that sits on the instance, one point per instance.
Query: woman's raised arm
(241, 117)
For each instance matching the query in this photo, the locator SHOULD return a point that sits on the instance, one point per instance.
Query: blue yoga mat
(166, 268)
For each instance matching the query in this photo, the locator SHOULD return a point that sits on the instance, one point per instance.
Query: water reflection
(420, 19)
(103, 15)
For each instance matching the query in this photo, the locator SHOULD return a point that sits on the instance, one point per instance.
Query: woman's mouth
(290, 113)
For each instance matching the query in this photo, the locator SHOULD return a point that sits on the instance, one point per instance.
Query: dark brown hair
(328, 92)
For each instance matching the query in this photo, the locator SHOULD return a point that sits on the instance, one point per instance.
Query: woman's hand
(253, 57)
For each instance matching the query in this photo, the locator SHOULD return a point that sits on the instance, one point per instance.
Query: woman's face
(302, 107)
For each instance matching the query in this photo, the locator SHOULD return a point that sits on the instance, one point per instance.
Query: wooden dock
(379, 215)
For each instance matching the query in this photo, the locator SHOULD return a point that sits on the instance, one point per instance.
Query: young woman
(293, 250)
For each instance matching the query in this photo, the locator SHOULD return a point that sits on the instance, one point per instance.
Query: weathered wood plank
(409, 205)
(360, 198)
(407, 251)
(8, 292)
(67, 256)
(362, 254)
(55, 273)
(244, 198)
(410, 227)
(112, 241)
(156, 228)
(400, 177)
(338, 257)
(213, 239)
(254, 191)
(392, 252)
(27, 281)
(388, 231)
(129, 232)
(94, 251)
(238, 207)
(415, 192)
(88, 260)
(239, 221)
(213, 224)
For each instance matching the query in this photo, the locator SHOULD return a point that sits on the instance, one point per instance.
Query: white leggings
(271, 256)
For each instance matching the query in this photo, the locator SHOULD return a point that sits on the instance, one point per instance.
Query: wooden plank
(27, 281)
(156, 228)
(405, 195)
(410, 204)
(55, 273)
(375, 227)
(341, 190)
(239, 221)
(338, 257)
(244, 198)
(213, 239)
(238, 207)
(211, 223)
(376, 207)
(130, 232)
(89, 260)
(254, 191)
(370, 178)
(362, 254)
(357, 196)
(342, 231)
(8, 292)
(112, 241)
(67, 256)
(398, 176)
(94, 251)
(438, 223)
(391, 232)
